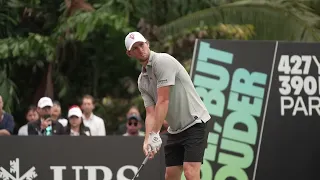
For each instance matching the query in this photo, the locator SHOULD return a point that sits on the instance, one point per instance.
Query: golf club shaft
(143, 163)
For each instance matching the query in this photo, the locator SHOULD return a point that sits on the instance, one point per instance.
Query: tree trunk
(49, 84)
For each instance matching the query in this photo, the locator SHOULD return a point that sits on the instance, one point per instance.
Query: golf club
(142, 165)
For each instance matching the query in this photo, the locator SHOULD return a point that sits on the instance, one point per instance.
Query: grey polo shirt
(185, 105)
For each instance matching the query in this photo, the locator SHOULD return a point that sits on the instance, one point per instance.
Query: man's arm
(150, 121)
(149, 105)
(4, 132)
(165, 69)
(161, 108)
(8, 127)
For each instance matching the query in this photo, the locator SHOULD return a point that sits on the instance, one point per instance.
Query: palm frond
(272, 20)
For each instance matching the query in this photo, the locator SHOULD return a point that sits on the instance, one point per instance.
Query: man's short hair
(87, 96)
(32, 108)
(55, 102)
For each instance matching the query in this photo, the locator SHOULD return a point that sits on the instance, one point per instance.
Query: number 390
(309, 84)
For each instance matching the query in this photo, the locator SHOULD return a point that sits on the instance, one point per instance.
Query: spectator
(133, 110)
(44, 126)
(56, 114)
(134, 126)
(6, 121)
(31, 116)
(95, 123)
(75, 126)
(122, 128)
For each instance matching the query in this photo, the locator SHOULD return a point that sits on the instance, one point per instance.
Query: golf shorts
(186, 146)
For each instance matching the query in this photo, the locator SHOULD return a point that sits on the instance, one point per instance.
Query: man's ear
(148, 44)
(128, 53)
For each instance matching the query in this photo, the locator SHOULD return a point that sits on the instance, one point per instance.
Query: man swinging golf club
(168, 93)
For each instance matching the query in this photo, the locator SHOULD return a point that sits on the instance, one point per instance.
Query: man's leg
(174, 172)
(174, 152)
(195, 142)
(192, 170)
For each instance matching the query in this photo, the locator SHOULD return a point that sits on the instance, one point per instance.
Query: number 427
(285, 61)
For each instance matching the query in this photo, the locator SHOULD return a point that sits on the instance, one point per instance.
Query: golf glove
(154, 141)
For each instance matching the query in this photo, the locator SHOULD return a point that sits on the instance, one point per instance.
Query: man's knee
(173, 172)
(192, 170)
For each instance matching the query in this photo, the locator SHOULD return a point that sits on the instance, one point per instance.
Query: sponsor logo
(14, 173)
(58, 172)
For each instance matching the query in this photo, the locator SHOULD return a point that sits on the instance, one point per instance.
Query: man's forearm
(149, 125)
(4, 132)
(160, 114)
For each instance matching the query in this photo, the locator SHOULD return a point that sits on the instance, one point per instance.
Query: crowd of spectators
(44, 119)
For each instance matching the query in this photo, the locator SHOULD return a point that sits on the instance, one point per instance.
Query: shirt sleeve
(23, 131)
(165, 69)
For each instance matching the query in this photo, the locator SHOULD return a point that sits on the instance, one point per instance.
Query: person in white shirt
(31, 115)
(95, 123)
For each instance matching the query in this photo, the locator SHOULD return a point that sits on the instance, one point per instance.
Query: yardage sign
(263, 97)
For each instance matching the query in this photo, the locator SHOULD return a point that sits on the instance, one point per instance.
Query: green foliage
(181, 45)
(276, 20)
(57, 41)
(221, 31)
(31, 47)
(8, 90)
(163, 11)
(84, 23)
(8, 19)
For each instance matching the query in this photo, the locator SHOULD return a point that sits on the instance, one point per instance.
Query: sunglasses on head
(130, 123)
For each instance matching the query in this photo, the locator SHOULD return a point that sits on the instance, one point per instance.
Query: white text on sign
(300, 90)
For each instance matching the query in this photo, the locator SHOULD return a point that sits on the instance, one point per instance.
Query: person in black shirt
(45, 126)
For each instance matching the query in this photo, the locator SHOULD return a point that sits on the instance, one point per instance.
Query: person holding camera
(45, 126)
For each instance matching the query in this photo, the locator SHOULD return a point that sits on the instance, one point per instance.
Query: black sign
(76, 158)
(290, 145)
(263, 97)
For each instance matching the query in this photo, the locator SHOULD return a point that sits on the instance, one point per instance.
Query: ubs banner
(263, 97)
(76, 158)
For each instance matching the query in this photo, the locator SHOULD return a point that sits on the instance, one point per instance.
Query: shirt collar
(151, 57)
(90, 117)
(74, 133)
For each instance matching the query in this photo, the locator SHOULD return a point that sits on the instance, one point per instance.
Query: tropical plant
(294, 20)
(55, 42)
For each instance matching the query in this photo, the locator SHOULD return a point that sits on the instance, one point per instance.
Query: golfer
(168, 94)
